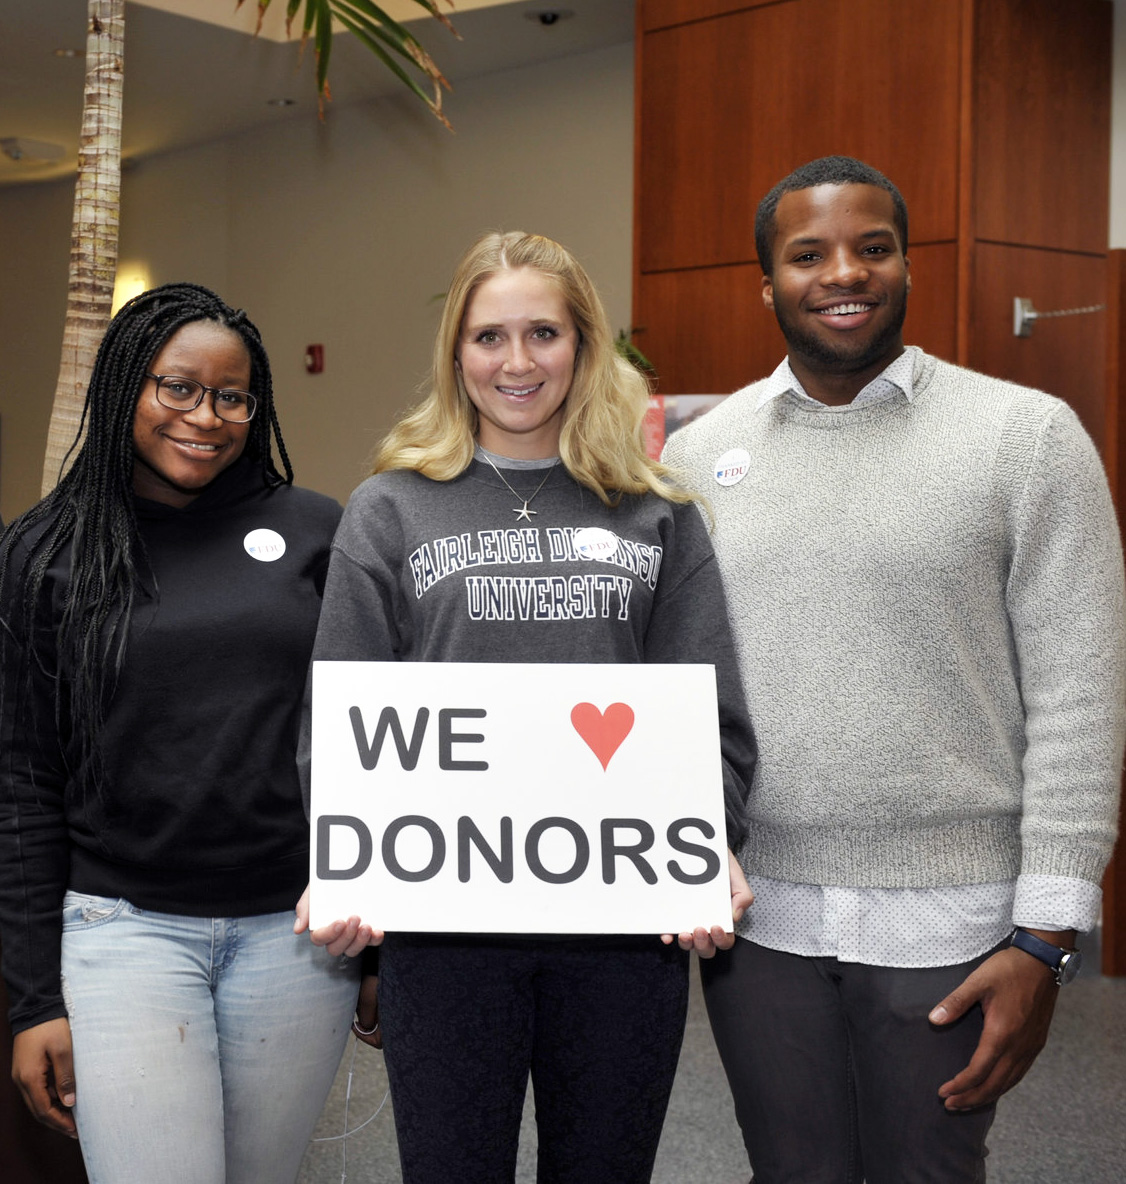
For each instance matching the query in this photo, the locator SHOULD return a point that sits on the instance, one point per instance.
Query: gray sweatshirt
(442, 571)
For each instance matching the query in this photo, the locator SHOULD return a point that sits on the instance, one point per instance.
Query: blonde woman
(533, 423)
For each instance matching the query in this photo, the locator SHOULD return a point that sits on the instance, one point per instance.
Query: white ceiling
(189, 81)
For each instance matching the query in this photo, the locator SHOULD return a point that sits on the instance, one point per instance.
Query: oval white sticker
(264, 544)
(592, 542)
(732, 466)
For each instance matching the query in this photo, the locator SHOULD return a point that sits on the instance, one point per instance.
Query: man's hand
(43, 1071)
(1017, 993)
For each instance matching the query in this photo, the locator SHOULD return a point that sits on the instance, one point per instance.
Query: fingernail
(68, 1100)
(938, 1016)
(738, 914)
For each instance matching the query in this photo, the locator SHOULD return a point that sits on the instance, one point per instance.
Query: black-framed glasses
(185, 394)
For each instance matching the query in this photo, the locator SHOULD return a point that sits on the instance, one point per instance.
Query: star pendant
(524, 513)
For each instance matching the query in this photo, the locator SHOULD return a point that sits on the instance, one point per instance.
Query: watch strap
(1063, 963)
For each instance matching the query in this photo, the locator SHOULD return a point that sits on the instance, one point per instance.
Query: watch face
(1069, 966)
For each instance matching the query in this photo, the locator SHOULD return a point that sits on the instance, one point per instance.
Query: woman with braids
(158, 611)
(533, 425)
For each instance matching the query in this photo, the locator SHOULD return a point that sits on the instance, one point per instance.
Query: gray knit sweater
(927, 599)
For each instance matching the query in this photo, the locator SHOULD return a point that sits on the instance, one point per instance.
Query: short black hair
(826, 170)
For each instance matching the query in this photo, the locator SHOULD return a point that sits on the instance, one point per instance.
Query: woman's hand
(705, 942)
(366, 1024)
(349, 937)
(43, 1071)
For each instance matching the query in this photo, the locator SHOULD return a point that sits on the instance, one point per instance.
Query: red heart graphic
(603, 731)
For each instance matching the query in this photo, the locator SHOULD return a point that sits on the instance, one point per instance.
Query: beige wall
(341, 234)
(1118, 132)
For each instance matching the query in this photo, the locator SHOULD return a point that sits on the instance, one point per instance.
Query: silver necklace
(522, 511)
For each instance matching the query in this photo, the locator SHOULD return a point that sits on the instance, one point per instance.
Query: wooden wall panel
(1042, 111)
(1114, 444)
(931, 305)
(1114, 454)
(1064, 356)
(695, 196)
(708, 332)
(729, 106)
(660, 14)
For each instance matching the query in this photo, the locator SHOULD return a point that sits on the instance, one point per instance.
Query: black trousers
(834, 1068)
(597, 1021)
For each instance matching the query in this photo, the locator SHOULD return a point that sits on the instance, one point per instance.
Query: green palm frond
(392, 43)
(623, 343)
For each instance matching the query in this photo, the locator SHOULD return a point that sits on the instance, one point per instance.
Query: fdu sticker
(732, 466)
(264, 545)
(592, 542)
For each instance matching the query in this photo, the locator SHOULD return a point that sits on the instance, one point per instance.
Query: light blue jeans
(204, 1048)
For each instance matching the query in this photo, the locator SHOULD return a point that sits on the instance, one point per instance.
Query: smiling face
(178, 453)
(839, 286)
(516, 354)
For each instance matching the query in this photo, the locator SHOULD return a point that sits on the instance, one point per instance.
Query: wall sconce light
(129, 282)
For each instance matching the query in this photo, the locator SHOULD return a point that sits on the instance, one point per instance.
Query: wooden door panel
(1065, 356)
(660, 14)
(725, 113)
(1042, 119)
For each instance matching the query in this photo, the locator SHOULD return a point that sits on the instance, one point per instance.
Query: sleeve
(328, 522)
(690, 624)
(1065, 601)
(34, 845)
(358, 620)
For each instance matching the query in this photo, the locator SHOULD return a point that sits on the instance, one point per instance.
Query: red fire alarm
(314, 359)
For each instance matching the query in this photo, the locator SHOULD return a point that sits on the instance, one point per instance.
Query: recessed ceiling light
(68, 53)
(281, 102)
(549, 16)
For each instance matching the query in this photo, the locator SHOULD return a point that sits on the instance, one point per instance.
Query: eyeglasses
(185, 394)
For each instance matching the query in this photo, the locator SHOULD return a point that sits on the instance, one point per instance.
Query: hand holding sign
(705, 942)
(350, 937)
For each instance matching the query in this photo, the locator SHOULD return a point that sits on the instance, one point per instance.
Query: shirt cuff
(1056, 902)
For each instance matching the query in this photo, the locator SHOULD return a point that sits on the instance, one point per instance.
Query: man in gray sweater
(925, 580)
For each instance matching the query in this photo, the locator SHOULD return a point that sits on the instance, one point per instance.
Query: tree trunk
(93, 243)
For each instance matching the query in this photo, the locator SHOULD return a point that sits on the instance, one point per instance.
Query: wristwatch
(1064, 964)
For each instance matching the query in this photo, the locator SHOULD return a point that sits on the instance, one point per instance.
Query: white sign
(517, 798)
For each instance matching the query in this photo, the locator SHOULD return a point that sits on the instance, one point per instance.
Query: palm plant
(94, 231)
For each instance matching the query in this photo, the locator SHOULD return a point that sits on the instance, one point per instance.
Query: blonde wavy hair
(601, 442)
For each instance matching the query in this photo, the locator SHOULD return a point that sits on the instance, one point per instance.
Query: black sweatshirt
(200, 809)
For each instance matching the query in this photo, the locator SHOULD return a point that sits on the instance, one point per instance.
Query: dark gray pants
(835, 1069)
